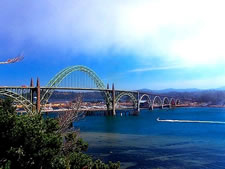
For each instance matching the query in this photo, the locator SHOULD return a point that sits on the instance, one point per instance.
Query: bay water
(143, 142)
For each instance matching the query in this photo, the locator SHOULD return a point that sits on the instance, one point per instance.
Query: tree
(30, 141)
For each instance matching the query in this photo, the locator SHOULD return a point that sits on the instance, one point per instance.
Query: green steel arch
(55, 81)
(134, 100)
(27, 105)
(58, 78)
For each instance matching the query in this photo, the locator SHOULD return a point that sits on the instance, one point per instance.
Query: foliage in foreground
(33, 142)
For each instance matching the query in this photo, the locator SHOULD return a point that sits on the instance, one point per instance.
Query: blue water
(143, 142)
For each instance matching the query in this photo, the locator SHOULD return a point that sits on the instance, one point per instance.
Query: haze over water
(143, 142)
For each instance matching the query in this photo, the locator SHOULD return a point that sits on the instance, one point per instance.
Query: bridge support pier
(38, 102)
(108, 109)
(151, 107)
(113, 100)
(138, 102)
(32, 94)
(108, 106)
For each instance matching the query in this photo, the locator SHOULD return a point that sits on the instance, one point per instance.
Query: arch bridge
(33, 98)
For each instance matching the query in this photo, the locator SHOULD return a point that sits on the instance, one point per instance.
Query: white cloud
(186, 32)
(158, 68)
(174, 32)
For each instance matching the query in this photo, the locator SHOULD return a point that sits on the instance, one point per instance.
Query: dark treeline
(87, 96)
(69, 96)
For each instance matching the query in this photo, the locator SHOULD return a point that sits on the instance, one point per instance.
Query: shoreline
(201, 106)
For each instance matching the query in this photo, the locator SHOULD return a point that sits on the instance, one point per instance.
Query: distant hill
(169, 90)
(221, 88)
(146, 90)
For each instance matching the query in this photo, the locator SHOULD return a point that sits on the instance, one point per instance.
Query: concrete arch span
(177, 102)
(157, 98)
(148, 99)
(172, 102)
(130, 95)
(166, 100)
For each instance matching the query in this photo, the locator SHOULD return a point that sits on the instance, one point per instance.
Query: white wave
(190, 121)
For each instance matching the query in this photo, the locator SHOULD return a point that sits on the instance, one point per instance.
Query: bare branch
(67, 118)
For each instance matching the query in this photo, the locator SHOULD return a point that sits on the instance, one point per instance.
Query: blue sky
(153, 44)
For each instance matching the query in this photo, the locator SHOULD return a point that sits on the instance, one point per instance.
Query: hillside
(214, 97)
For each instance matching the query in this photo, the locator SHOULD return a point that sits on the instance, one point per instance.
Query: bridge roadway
(66, 88)
(87, 89)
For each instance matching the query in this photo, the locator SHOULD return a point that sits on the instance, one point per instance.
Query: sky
(154, 44)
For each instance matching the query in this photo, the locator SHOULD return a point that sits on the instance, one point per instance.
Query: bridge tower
(151, 107)
(31, 82)
(113, 100)
(107, 86)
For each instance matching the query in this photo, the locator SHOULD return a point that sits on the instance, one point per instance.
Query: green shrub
(32, 142)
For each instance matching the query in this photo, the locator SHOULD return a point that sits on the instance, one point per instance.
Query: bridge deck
(64, 88)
